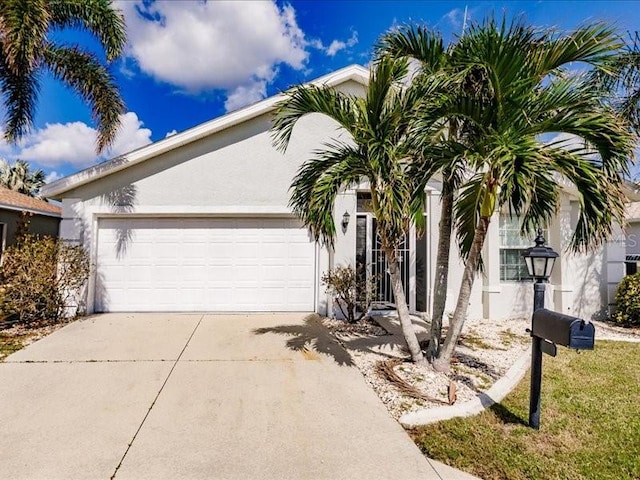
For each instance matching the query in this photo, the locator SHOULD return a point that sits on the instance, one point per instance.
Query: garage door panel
(204, 264)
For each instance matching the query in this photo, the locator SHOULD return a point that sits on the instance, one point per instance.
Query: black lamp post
(540, 260)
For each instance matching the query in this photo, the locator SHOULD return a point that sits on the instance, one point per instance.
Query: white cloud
(5, 148)
(460, 18)
(132, 135)
(235, 46)
(201, 46)
(337, 45)
(58, 143)
(52, 176)
(454, 16)
(74, 143)
(245, 95)
(171, 133)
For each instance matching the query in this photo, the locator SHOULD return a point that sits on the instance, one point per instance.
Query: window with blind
(512, 266)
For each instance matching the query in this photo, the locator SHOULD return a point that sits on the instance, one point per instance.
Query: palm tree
(621, 78)
(20, 178)
(525, 94)
(378, 151)
(427, 47)
(27, 50)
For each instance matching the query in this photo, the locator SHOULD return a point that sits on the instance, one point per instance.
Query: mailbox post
(539, 260)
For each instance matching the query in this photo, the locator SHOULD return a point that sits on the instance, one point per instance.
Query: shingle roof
(18, 201)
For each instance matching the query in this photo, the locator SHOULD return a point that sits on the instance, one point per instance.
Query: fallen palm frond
(385, 368)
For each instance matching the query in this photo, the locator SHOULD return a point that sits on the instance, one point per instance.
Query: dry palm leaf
(385, 369)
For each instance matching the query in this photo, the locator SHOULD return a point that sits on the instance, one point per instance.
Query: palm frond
(20, 97)
(318, 182)
(384, 78)
(593, 44)
(23, 26)
(303, 100)
(417, 42)
(467, 211)
(96, 16)
(87, 76)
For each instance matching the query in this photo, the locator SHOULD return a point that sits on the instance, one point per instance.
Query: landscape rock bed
(486, 351)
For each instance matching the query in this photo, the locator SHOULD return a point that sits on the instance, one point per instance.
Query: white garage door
(204, 264)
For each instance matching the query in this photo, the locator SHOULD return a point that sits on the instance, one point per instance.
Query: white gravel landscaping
(487, 349)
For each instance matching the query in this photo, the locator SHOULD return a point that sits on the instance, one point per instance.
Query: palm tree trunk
(442, 272)
(443, 362)
(403, 311)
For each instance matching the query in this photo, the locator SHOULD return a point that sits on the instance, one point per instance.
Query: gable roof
(56, 189)
(11, 200)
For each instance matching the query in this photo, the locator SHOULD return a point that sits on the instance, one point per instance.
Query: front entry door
(371, 261)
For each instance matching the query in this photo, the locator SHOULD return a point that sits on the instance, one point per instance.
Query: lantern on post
(540, 261)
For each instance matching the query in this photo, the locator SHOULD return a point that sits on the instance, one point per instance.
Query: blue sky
(190, 61)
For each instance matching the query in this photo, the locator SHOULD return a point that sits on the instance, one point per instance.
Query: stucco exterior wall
(234, 172)
(632, 238)
(456, 266)
(578, 285)
(238, 167)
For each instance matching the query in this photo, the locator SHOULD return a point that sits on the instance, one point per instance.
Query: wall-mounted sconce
(345, 220)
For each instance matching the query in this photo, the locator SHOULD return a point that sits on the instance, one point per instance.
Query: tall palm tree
(524, 95)
(27, 50)
(427, 47)
(378, 150)
(20, 178)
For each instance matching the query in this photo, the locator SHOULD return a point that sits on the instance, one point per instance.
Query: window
(512, 266)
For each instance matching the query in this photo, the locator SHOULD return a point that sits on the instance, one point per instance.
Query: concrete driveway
(177, 396)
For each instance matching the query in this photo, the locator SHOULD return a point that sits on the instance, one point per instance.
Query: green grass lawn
(590, 423)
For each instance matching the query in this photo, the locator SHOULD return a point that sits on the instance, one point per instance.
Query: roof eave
(30, 210)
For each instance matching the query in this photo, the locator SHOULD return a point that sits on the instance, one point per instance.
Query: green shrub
(41, 278)
(628, 301)
(351, 289)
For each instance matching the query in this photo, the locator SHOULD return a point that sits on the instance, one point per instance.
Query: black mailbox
(563, 329)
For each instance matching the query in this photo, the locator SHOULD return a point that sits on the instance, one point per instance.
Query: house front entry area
(203, 264)
(371, 261)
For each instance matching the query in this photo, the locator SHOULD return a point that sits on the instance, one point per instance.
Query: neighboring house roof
(355, 73)
(11, 200)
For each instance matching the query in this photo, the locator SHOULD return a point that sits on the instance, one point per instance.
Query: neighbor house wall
(38, 225)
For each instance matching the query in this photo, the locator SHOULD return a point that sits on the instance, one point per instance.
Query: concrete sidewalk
(177, 396)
